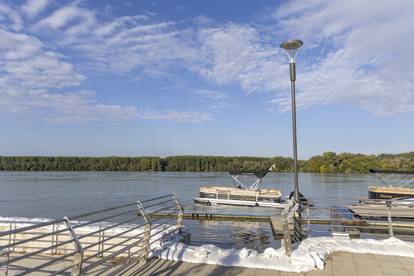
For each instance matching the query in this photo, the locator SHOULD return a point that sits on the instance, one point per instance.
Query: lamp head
(292, 48)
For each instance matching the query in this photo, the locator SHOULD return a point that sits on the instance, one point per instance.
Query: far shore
(328, 162)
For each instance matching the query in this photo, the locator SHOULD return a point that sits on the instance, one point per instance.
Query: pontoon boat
(240, 195)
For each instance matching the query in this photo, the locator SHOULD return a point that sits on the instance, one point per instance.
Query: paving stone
(394, 271)
(266, 272)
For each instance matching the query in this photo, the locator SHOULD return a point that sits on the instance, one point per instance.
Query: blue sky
(204, 77)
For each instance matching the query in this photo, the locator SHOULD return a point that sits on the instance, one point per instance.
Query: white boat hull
(216, 201)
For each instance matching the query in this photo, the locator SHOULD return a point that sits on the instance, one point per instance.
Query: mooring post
(78, 257)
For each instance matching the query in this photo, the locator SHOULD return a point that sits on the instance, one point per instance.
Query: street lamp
(292, 48)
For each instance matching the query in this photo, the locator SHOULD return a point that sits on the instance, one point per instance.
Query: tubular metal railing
(372, 218)
(105, 242)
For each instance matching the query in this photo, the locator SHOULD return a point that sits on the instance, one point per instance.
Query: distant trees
(63, 163)
(328, 162)
(222, 163)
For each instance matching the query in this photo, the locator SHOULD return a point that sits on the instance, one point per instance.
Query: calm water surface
(57, 194)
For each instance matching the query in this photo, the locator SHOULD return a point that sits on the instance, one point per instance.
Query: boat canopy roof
(390, 171)
(258, 174)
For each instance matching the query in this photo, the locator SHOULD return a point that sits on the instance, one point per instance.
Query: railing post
(147, 229)
(53, 239)
(100, 239)
(308, 219)
(180, 214)
(7, 254)
(78, 258)
(390, 226)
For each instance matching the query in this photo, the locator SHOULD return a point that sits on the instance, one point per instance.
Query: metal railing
(373, 219)
(105, 242)
(376, 218)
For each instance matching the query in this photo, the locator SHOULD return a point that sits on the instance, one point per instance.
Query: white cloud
(10, 18)
(74, 107)
(28, 71)
(210, 94)
(72, 20)
(177, 116)
(356, 53)
(212, 100)
(365, 53)
(122, 45)
(236, 54)
(27, 63)
(34, 7)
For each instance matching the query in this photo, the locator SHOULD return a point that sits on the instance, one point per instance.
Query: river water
(57, 194)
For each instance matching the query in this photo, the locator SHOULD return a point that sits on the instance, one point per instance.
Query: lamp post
(292, 48)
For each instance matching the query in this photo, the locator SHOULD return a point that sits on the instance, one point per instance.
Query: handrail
(86, 241)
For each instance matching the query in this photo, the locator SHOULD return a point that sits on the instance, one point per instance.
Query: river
(57, 194)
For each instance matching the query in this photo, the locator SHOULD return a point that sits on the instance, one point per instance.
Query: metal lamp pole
(292, 47)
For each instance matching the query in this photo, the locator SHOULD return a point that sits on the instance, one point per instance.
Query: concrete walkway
(339, 264)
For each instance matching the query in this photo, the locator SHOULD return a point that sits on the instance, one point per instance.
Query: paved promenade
(339, 264)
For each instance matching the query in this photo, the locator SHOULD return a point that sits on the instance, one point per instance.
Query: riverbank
(328, 162)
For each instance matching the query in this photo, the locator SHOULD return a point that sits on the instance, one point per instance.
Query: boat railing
(108, 241)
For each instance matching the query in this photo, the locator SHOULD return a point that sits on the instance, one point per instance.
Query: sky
(183, 77)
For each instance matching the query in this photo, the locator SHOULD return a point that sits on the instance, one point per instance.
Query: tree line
(328, 162)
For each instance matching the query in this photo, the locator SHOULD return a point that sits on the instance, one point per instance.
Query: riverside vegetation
(329, 162)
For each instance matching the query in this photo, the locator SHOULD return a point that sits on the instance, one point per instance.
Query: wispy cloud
(10, 18)
(356, 53)
(212, 100)
(177, 116)
(125, 44)
(236, 54)
(34, 79)
(364, 49)
(34, 7)
(71, 107)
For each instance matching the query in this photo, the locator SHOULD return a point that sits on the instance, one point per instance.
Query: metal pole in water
(292, 47)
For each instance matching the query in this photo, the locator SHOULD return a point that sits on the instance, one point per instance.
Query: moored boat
(392, 191)
(389, 192)
(388, 201)
(402, 208)
(240, 195)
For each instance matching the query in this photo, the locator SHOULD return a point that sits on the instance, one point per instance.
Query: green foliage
(328, 162)
(63, 163)
(222, 164)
